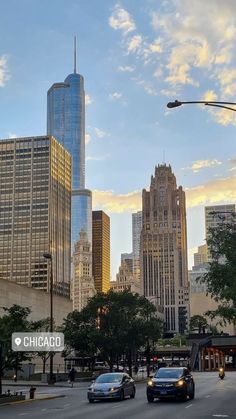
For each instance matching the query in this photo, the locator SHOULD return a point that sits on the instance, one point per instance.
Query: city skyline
(133, 63)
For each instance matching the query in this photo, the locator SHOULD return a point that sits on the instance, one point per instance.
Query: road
(214, 399)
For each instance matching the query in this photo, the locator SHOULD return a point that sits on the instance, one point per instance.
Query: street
(214, 398)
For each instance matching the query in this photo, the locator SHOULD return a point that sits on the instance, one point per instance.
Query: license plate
(163, 392)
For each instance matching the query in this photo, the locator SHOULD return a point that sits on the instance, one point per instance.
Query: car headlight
(114, 388)
(180, 383)
(150, 383)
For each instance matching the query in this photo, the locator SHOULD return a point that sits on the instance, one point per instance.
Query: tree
(42, 326)
(221, 277)
(198, 322)
(16, 320)
(112, 325)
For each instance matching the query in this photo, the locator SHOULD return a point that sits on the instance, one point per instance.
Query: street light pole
(217, 104)
(49, 257)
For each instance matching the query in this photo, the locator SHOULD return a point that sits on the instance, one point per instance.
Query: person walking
(71, 377)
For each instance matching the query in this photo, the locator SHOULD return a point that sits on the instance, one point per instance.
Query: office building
(216, 215)
(35, 212)
(200, 256)
(136, 234)
(101, 250)
(82, 280)
(125, 279)
(66, 122)
(164, 274)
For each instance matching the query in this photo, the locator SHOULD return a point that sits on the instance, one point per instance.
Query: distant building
(164, 273)
(136, 234)
(125, 279)
(82, 280)
(101, 250)
(201, 256)
(66, 122)
(35, 212)
(200, 302)
(216, 215)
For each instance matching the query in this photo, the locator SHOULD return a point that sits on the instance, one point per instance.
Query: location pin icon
(17, 341)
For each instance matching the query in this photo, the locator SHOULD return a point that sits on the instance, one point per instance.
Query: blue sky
(135, 56)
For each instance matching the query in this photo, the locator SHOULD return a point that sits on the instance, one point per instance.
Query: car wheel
(184, 398)
(192, 394)
(122, 395)
(150, 398)
(132, 396)
(91, 400)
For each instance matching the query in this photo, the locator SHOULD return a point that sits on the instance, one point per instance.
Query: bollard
(31, 392)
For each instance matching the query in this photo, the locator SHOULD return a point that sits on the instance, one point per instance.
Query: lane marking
(188, 406)
(116, 405)
(23, 414)
(221, 416)
(206, 397)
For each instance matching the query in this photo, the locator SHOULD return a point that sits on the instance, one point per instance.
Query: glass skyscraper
(66, 122)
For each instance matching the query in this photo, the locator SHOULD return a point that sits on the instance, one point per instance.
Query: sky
(135, 56)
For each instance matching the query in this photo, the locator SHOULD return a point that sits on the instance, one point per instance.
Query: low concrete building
(37, 300)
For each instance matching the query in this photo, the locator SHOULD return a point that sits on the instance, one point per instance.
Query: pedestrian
(71, 376)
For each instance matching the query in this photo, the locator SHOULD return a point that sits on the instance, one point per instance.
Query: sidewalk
(21, 383)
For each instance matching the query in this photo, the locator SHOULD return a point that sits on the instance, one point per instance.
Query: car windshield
(109, 378)
(169, 373)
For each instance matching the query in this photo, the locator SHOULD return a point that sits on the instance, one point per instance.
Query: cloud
(12, 135)
(117, 203)
(115, 95)
(203, 164)
(98, 158)
(134, 44)
(87, 138)
(4, 74)
(121, 20)
(126, 68)
(214, 192)
(100, 133)
(88, 100)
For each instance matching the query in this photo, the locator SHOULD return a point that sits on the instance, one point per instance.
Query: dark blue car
(175, 383)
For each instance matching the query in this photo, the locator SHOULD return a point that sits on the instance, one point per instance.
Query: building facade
(216, 215)
(66, 122)
(35, 212)
(164, 273)
(101, 250)
(82, 280)
(125, 279)
(200, 256)
(136, 234)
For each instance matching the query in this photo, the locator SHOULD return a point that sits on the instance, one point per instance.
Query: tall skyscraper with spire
(66, 122)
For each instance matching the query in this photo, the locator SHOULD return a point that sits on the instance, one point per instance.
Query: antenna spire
(75, 54)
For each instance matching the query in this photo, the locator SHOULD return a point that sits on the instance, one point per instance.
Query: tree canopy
(113, 324)
(221, 277)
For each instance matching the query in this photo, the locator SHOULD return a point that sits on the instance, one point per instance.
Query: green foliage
(14, 321)
(198, 322)
(177, 340)
(112, 324)
(221, 277)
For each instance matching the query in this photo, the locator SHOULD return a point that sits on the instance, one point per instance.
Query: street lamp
(48, 256)
(217, 104)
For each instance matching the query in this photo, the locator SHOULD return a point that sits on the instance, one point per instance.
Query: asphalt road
(214, 399)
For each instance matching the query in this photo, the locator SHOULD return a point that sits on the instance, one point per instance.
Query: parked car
(113, 385)
(177, 383)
